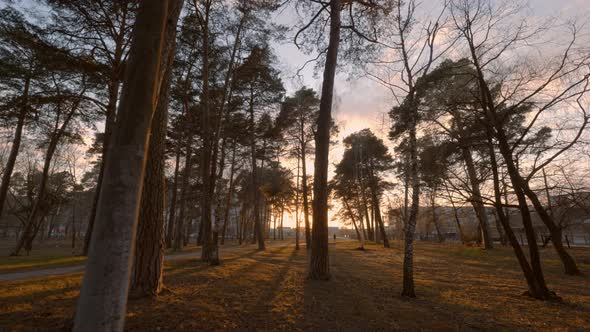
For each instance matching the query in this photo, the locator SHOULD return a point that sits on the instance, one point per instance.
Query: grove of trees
(134, 127)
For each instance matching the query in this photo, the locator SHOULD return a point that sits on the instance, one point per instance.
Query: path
(77, 268)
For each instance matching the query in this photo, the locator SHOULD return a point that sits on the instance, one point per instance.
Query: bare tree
(491, 31)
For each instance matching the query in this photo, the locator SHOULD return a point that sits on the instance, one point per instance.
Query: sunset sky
(362, 103)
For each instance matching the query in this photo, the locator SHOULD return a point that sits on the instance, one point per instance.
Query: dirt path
(12, 276)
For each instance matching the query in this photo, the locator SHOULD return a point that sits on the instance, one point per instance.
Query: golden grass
(458, 288)
(22, 263)
(56, 253)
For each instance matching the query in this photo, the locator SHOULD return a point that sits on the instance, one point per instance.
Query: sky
(361, 103)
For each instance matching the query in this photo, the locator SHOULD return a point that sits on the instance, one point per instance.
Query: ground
(458, 288)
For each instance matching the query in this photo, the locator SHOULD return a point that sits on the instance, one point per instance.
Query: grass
(48, 254)
(53, 254)
(458, 288)
(24, 263)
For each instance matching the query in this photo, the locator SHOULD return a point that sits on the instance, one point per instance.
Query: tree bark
(408, 267)
(111, 113)
(103, 296)
(210, 251)
(319, 265)
(150, 245)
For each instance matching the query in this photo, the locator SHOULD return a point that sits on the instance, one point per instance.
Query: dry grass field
(458, 288)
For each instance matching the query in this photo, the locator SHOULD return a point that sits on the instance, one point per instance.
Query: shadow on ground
(458, 288)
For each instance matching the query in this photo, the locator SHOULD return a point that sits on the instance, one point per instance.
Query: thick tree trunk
(111, 112)
(150, 244)
(476, 199)
(146, 278)
(210, 251)
(103, 296)
(14, 149)
(319, 265)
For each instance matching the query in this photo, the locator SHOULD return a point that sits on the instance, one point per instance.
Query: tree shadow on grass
(45, 310)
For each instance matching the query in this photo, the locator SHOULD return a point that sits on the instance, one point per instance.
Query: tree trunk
(533, 284)
(172, 217)
(476, 199)
(150, 244)
(210, 251)
(538, 288)
(319, 265)
(111, 112)
(103, 296)
(569, 265)
(281, 222)
(31, 225)
(408, 267)
(377, 210)
(73, 225)
(14, 149)
(229, 193)
(188, 165)
(258, 230)
(297, 207)
(305, 195)
(456, 215)
(365, 207)
(439, 235)
(359, 234)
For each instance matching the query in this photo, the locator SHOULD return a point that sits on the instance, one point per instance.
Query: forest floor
(458, 288)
